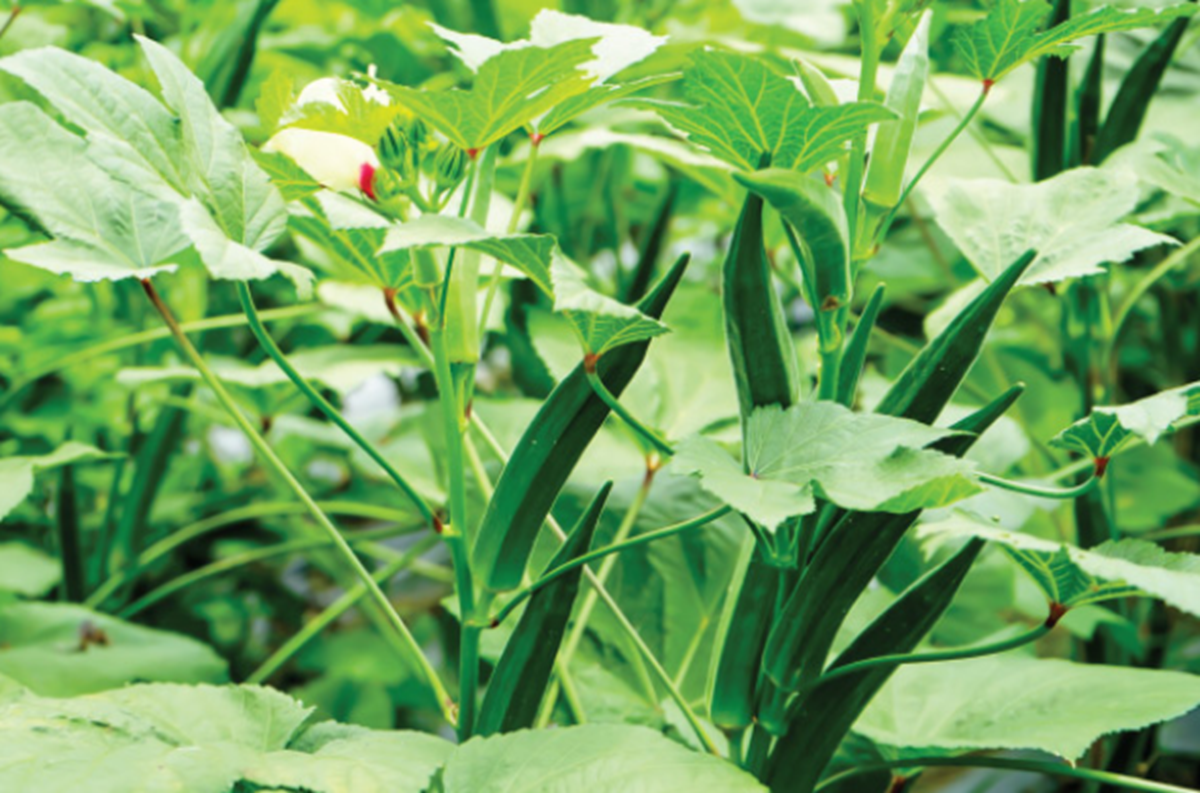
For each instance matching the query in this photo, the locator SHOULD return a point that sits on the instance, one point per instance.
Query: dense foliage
(666, 396)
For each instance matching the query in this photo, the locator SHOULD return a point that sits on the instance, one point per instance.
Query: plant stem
(219, 521)
(335, 610)
(955, 654)
(513, 223)
(268, 454)
(869, 47)
(599, 553)
(1048, 767)
(1041, 492)
(12, 17)
(660, 446)
(1178, 256)
(69, 550)
(321, 403)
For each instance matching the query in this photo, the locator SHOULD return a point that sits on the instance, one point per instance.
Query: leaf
(741, 110)
(529, 253)
(599, 758)
(1106, 430)
(596, 96)
(1072, 220)
(292, 181)
(866, 462)
(1009, 702)
(1008, 35)
(601, 322)
(17, 473)
(27, 571)
(1064, 582)
(104, 229)
(1138, 564)
(511, 89)
(42, 651)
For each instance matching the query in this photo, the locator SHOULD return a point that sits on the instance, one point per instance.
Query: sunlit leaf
(601, 322)
(17, 473)
(1106, 430)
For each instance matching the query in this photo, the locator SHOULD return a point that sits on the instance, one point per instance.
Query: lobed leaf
(1106, 430)
(600, 322)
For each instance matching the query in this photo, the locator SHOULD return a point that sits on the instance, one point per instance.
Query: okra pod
(517, 685)
(1050, 99)
(819, 221)
(549, 449)
(1091, 97)
(652, 246)
(855, 355)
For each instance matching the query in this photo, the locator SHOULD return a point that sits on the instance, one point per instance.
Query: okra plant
(653, 397)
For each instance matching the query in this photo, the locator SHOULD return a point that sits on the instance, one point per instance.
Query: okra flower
(338, 162)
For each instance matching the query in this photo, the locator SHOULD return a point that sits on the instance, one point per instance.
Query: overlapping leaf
(1107, 429)
(1009, 36)
(17, 473)
(1072, 220)
(601, 322)
(742, 110)
(858, 461)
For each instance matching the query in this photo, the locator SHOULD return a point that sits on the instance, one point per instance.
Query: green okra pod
(854, 357)
(517, 685)
(549, 449)
(1050, 102)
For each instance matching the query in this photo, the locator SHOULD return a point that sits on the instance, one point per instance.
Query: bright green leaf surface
(16, 473)
(25, 570)
(1106, 430)
(600, 322)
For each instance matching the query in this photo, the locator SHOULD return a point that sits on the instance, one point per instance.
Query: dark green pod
(652, 247)
(1087, 116)
(1129, 106)
(548, 451)
(854, 356)
(517, 685)
(929, 381)
(1051, 95)
(733, 677)
(842, 567)
(760, 346)
(823, 717)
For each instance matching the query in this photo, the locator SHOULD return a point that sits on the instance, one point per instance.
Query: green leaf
(742, 110)
(104, 229)
(46, 652)
(1008, 35)
(1009, 702)
(292, 181)
(511, 89)
(1106, 430)
(596, 96)
(1141, 566)
(1064, 582)
(17, 473)
(27, 571)
(599, 758)
(865, 462)
(1072, 220)
(600, 322)
(529, 253)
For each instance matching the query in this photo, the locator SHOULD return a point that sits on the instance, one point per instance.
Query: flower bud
(338, 162)
(449, 167)
(398, 155)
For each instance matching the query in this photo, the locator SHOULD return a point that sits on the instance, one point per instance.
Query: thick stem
(268, 455)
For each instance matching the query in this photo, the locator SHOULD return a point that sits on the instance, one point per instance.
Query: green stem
(831, 366)
(1041, 492)
(268, 454)
(322, 404)
(335, 610)
(599, 553)
(455, 532)
(866, 91)
(1173, 533)
(513, 222)
(661, 446)
(955, 654)
(12, 17)
(1048, 767)
(190, 532)
(937, 153)
(1178, 256)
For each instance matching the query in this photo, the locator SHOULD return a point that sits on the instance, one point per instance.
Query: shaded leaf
(17, 473)
(1106, 430)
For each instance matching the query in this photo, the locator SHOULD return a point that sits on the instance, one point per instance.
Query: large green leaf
(1009, 34)
(1137, 565)
(742, 110)
(858, 461)
(511, 89)
(16, 473)
(600, 322)
(598, 758)
(1010, 702)
(56, 649)
(103, 229)
(1072, 220)
(1106, 430)
(27, 571)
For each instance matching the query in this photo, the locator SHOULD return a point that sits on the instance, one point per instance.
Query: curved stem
(1041, 492)
(661, 446)
(322, 404)
(1178, 256)
(1049, 767)
(599, 553)
(335, 610)
(956, 654)
(201, 527)
(268, 455)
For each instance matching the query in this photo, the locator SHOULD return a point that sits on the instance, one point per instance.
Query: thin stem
(12, 17)
(1041, 492)
(1048, 767)
(869, 66)
(661, 446)
(410, 334)
(513, 222)
(268, 454)
(190, 532)
(335, 610)
(600, 553)
(1173, 533)
(954, 654)
(1178, 256)
(321, 403)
